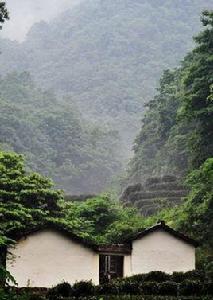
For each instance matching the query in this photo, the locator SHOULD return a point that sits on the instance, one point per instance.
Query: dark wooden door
(110, 267)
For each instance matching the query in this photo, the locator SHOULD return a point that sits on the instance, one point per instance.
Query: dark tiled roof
(162, 226)
(119, 249)
(56, 227)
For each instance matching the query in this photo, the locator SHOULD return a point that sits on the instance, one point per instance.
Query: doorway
(110, 267)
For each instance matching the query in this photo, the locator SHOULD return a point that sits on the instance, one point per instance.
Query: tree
(101, 219)
(197, 211)
(197, 104)
(177, 129)
(3, 13)
(26, 200)
(160, 146)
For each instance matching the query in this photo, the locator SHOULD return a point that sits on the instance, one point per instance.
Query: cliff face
(156, 193)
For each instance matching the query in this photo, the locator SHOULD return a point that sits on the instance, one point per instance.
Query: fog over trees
(106, 127)
(103, 59)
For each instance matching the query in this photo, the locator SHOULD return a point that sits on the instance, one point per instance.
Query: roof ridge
(162, 225)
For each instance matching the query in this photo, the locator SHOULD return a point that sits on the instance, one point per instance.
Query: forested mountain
(107, 55)
(177, 138)
(80, 156)
(177, 130)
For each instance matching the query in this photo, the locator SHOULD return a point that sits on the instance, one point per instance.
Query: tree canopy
(176, 134)
(26, 199)
(107, 56)
(80, 155)
(3, 13)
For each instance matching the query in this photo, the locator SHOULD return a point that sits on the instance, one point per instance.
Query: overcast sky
(24, 13)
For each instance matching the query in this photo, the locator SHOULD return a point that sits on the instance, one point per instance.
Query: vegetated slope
(155, 194)
(79, 155)
(108, 54)
(176, 133)
(177, 130)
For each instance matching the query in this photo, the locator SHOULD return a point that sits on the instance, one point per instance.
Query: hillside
(155, 194)
(107, 55)
(176, 135)
(79, 156)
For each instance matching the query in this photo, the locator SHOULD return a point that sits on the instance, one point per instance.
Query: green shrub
(178, 277)
(167, 288)
(111, 288)
(83, 288)
(129, 288)
(36, 297)
(149, 288)
(157, 276)
(208, 288)
(209, 270)
(190, 275)
(63, 289)
(136, 278)
(191, 288)
(195, 275)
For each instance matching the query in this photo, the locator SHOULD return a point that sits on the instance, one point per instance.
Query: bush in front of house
(196, 275)
(208, 288)
(63, 290)
(138, 278)
(167, 288)
(154, 276)
(178, 277)
(110, 288)
(34, 297)
(149, 288)
(148, 285)
(191, 288)
(157, 276)
(190, 275)
(83, 288)
(129, 288)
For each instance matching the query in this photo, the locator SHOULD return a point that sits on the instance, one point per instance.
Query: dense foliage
(191, 283)
(107, 55)
(176, 138)
(177, 130)
(79, 155)
(27, 200)
(103, 219)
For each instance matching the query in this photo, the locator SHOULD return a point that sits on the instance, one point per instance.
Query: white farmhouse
(48, 256)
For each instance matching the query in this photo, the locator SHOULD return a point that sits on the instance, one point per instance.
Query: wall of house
(47, 258)
(159, 251)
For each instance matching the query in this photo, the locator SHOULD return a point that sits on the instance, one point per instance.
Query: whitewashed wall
(159, 251)
(47, 258)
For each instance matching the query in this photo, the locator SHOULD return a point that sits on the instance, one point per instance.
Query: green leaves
(100, 219)
(26, 200)
(176, 133)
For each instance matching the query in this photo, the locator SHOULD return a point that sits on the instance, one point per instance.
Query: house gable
(160, 248)
(47, 257)
(163, 227)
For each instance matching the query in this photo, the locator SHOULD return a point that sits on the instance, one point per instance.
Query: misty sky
(24, 13)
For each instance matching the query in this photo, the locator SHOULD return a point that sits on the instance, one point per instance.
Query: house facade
(48, 256)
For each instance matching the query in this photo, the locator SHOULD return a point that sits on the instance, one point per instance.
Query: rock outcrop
(156, 193)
